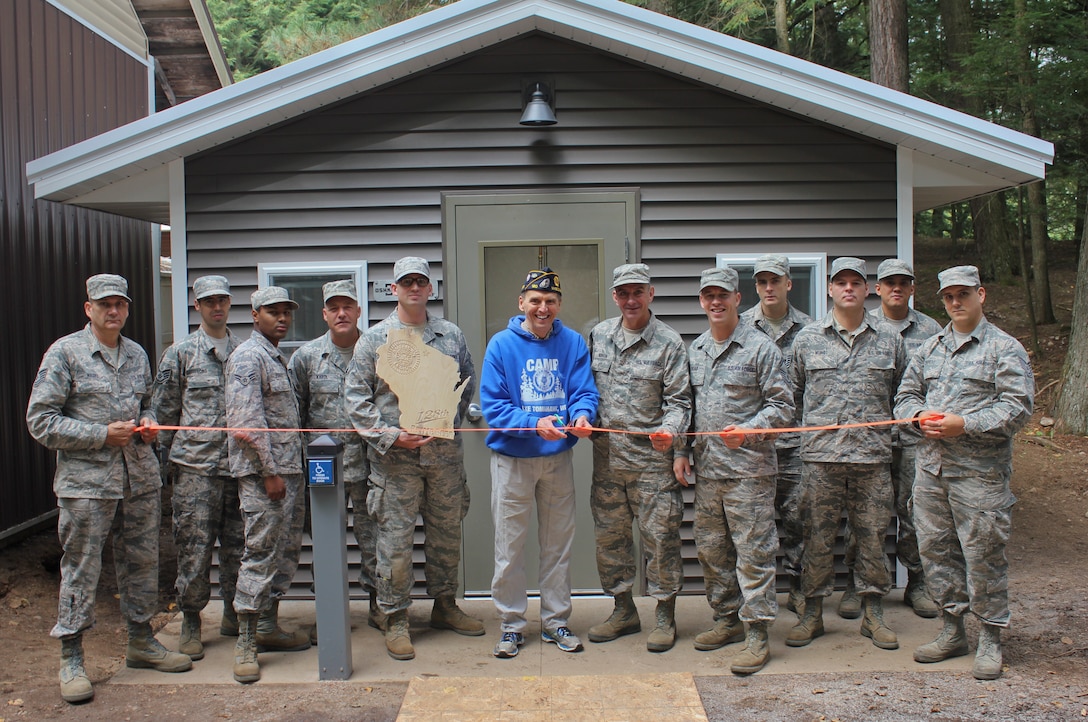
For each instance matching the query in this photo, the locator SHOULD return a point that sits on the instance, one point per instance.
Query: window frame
(267, 272)
(815, 261)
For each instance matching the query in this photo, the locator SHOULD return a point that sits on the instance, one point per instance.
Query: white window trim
(816, 261)
(358, 269)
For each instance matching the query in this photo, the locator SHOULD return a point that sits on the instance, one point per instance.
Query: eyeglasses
(410, 281)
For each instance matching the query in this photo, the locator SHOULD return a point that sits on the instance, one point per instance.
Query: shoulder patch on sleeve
(42, 373)
(163, 376)
(245, 378)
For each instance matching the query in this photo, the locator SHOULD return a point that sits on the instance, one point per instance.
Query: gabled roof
(956, 156)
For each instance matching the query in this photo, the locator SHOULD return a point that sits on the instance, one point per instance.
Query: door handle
(474, 413)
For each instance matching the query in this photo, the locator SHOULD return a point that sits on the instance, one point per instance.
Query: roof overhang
(957, 156)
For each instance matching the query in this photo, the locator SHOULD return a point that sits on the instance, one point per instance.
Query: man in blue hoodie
(536, 387)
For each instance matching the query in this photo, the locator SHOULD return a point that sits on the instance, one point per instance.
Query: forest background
(1022, 64)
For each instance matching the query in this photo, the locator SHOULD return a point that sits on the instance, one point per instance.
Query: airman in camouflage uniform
(268, 466)
(318, 369)
(739, 383)
(848, 370)
(189, 391)
(895, 286)
(641, 371)
(91, 389)
(775, 316)
(412, 474)
(973, 385)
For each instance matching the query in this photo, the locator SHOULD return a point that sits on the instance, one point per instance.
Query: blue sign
(321, 472)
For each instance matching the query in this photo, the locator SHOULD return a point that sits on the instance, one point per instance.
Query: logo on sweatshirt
(540, 380)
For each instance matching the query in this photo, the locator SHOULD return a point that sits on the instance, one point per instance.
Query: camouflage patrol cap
(210, 286)
(726, 278)
(411, 264)
(958, 276)
(848, 263)
(772, 263)
(630, 273)
(270, 295)
(105, 285)
(893, 267)
(345, 288)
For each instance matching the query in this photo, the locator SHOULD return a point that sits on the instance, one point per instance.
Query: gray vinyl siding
(363, 180)
(716, 173)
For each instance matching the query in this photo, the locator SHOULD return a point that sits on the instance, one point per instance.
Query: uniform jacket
(918, 328)
(793, 323)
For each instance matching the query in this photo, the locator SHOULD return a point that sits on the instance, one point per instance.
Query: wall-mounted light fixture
(539, 104)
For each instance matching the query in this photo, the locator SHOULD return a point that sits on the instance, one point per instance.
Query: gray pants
(273, 532)
(84, 525)
(206, 508)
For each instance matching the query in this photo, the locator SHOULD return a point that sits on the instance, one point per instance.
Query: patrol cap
(544, 279)
(210, 286)
(848, 263)
(270, 295)
(726, 278)
(772, 263)
(893, 267)
(105, 285)
(411, 264)
(958, 276)
(345, 288)
(630, 273)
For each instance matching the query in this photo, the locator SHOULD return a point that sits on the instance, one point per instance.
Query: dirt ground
(1046, 648)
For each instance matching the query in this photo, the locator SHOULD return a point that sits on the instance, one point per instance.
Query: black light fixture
(539, 110)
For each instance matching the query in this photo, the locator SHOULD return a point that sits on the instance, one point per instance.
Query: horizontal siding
(716, 173)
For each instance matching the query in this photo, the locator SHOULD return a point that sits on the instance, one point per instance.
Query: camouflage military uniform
(318, 371)
(789, 491)
(404, 483)
(844, 384)
(962, 500)
(914, 329)
(744, 385)
(189, 391)
(101, 490)
(259, 395)
(643, 387)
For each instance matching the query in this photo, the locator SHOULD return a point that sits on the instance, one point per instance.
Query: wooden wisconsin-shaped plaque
(427, 383)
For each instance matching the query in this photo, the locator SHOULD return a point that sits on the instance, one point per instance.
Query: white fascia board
(452, 31)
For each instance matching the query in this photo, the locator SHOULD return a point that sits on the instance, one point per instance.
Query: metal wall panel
(59, 84)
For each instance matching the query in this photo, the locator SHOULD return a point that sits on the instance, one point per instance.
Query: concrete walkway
(447, 663)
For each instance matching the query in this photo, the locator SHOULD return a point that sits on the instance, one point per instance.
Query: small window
(304, 281)
(808, 271)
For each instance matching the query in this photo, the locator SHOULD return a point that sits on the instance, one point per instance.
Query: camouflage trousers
(906, 543)
(205, 509)
(963, 529)
(398, 494)
(617, 499)
(788, 498)
(737, 540)
(273, 532)
(365, 529)
(865, 491)
(83, 527)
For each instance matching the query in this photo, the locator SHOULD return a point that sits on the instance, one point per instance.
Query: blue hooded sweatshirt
(526, 378)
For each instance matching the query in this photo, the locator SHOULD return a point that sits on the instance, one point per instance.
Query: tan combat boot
(189, 642)
(726, 630)
(145, 652)
(872, 624)
(663, 636)
(75, 685)
(375, 617)
(850, 602)
(755, 653)
(810, 625)
(445, 614)
(398, 642)
(271, 638)
(988, 656)
(623, 620)
(917, 597)
(246, 667)
(951, 642)
(795, 602)
(228, 626)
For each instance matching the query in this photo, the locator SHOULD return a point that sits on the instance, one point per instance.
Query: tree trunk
(1071, 411)
(995, 249)
(888, 44)
(782, 26)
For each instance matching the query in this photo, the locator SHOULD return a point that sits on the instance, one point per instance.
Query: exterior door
(491, 243)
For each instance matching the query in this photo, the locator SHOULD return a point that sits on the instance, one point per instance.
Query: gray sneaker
(562, 638)
(508, 645)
